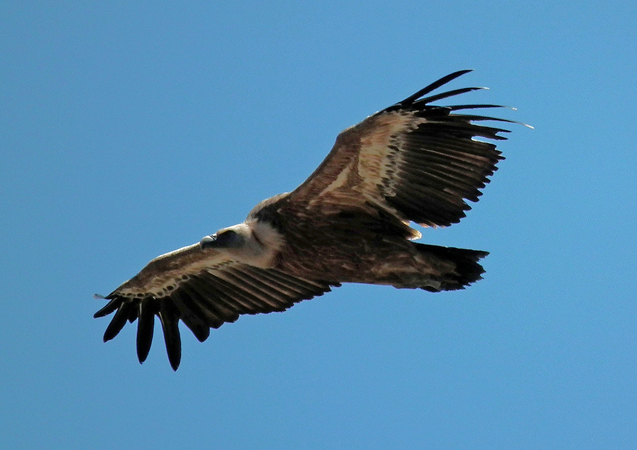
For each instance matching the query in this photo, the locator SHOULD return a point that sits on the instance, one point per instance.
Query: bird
(349, 222)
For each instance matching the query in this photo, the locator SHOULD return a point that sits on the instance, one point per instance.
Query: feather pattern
(203, 290)
(416, 160)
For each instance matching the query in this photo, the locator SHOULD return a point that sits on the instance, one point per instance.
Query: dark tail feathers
(467, 269)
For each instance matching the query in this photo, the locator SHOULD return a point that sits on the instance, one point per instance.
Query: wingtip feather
(169, 317)
(435, 85)
(145, 331)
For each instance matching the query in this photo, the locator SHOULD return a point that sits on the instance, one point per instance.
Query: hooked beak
(208, 241)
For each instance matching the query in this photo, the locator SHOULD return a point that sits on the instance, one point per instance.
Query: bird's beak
(208, 241)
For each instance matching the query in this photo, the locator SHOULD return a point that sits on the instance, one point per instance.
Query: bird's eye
(226, 237)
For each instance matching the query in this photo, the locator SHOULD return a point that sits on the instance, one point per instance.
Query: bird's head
(227, 238)
(243, 243)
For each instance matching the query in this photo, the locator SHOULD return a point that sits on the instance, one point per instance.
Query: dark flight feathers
(207, 300)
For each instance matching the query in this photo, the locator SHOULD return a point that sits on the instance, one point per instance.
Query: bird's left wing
(203, 289)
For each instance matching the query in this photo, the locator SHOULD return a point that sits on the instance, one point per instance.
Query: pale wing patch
(379, 156)
(339, 182)
(341, 193)
(380, 159)
(163, 274)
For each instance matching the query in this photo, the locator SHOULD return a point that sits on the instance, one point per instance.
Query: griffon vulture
(347, 223)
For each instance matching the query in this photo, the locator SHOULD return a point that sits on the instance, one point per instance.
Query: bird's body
(357, 246)
(347, 223)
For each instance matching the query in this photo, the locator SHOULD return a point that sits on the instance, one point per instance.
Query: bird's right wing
(417, 161)
(202, 288)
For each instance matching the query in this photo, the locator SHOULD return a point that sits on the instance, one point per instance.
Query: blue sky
(129, 129)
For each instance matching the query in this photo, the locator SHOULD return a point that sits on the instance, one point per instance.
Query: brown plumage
(347, 223)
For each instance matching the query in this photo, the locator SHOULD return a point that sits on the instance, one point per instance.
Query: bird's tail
(457, 267)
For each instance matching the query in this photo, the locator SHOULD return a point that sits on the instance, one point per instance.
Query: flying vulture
(347, 223)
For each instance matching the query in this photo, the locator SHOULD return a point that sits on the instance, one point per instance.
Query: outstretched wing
(418, 161)
(203, 289)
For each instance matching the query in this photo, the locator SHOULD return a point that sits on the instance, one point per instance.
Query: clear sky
(129, 129)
